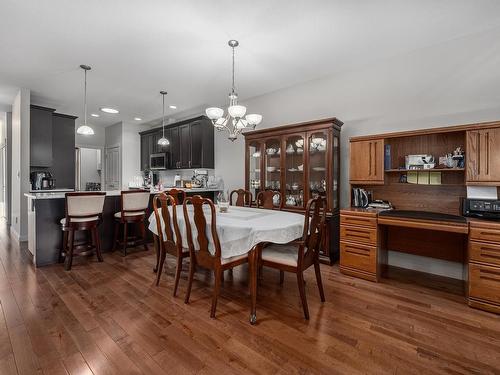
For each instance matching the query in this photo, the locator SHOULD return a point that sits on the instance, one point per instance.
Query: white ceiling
(137, 48)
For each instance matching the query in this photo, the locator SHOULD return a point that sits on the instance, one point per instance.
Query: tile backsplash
(167, 176)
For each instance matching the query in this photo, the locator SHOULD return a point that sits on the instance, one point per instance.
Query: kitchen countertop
(61, 194)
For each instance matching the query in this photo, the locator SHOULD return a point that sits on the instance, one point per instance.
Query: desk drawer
(484, 252)
(361, 257)
(484, 282)
(358, 234)
(358, 220)
(484, 234)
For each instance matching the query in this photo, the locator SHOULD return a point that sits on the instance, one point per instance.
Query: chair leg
(143, 235)
(163, 255)
(282, 277)
(317, 270)
(217, 282)
(116, 235)
(125, 238)
(97, 244)
(178, 270)
(302, 291)
(68, 262)
(192, 268)
(64, 246)
(156, 245)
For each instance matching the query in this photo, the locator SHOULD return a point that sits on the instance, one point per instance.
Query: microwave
(158, 161)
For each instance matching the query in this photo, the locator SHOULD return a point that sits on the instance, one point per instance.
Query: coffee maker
(41, 180)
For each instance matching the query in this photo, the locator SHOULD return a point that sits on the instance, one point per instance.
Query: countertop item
(51, 194)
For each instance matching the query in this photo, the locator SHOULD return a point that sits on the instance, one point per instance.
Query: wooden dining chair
(299, 255)
(169, 235)
(177, 194)
(243, 198)
(199, 252)
(265, 199)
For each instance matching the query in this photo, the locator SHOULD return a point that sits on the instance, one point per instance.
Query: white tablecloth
(242, 228)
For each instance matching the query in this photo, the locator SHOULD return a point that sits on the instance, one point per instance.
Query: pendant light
(85, 129)
(163, 141)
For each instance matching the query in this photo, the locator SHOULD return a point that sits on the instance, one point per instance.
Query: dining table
(242, 230)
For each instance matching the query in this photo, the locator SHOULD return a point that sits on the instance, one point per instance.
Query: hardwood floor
(109, 318)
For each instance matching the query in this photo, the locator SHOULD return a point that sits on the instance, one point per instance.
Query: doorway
(89, 175)
(113, 178)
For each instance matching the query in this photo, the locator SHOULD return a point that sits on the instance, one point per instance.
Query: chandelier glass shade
(236, 118)
(84, 129)
(163, 141)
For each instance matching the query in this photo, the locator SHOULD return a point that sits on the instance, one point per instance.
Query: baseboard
(16, 235)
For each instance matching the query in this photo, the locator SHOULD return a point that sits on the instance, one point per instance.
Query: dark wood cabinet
(41, 136)
(63, 150)
(191, 144)
(302, 162)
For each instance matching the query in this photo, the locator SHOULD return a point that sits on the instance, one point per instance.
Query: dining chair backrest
(84, 205)
(243, 198)
(165, 210)
(134, 201)
(194, 213)
(314, 223)
(265, 199)
(177, 193)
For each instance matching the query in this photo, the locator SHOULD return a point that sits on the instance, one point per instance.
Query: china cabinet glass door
(254, 164)
(294, 171)
(272, 165)
(318, 174)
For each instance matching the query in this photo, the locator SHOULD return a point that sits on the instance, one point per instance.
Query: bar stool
(83, 213)
(134, 204)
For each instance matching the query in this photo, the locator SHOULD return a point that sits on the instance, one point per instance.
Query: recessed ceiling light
(109, 110)
(137, 119)
(172, 106)
(94, 115)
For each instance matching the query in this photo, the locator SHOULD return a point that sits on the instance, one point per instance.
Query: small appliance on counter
(481, 208)
(42, 181)
(178, 181)
(200, 178)
(361, 198)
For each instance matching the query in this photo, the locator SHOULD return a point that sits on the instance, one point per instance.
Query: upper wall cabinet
(367, 162)
(191, 144)
(41, 136)
(483, 156)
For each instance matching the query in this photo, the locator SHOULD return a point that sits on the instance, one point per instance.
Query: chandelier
(85, 129)
(235, 120)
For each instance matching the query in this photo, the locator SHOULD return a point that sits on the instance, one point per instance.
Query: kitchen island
(46, 209)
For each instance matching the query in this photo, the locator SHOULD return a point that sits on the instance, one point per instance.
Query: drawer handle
(490, 252)
(489, 234)
(355, 251)
(489, 275)
(356, 233)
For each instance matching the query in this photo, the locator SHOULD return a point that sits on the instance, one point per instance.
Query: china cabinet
(301, 161)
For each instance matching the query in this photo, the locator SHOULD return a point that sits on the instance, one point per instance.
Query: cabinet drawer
(484, 234)
(484, 282)
(361, 257)
(358, 234)
(358, 220)
(484, 252)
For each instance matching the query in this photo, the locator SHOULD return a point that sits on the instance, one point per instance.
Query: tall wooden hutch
(301, 161)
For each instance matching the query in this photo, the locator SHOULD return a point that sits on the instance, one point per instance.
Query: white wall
(451, 83)
(20, 163)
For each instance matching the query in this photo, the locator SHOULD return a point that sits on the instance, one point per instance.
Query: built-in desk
(366, 235)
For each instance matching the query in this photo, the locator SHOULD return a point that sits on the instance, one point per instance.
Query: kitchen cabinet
(367, 162)
(191, 144)
(302, 162)
(483, 158)
(63, 151)
(41, 136)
